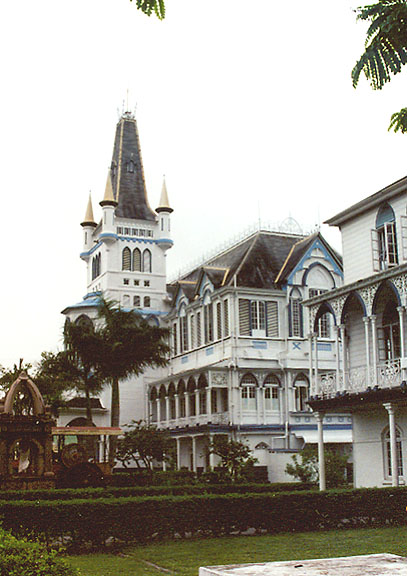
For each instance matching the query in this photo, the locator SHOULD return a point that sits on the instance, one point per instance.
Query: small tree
(305, 466)
(235, 456)
(143, 444)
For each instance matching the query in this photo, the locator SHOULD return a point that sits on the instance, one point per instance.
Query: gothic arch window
(384, 238)
(271, 392)
(248, 387)
(295, 314)
(183, 328)
(136, 260)
(147, 261)
(126, 259)
(126, 300)
(387, 452)
(147, 301)
(208, 317)
(136, 301)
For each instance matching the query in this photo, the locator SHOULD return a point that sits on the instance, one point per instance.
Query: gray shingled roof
(128, 182)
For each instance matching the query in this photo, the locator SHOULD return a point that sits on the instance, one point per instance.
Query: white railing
(215, 418)
(358, 379)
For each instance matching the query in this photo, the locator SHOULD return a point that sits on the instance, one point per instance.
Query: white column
(263, 403)
(311, 380)
(194, 466)
(393, 445)
(176, 399)
(211, 455)
(400, 310)
(321, 456)
(374, 347)
(342, 334)
(167, 409)
(317, 382)
(178, 441)
(197, 401)
(208, 401)
(338, 360)
(158, 410)
(366, 323)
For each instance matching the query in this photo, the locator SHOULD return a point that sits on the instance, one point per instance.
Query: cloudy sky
(249, 113)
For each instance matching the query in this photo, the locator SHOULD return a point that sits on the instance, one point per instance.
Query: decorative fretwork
(218, 379)
(400, 283)
(337, 306)
(327, 384)
(389, 374)
(368, 294)
(357, 379)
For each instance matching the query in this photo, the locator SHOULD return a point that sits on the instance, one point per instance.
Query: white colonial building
(240, 361)
(369, 314)
(125, 255)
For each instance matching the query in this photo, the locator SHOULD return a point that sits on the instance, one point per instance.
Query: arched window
(146, 261)
(271, 392)
(208, 318)
(136, 260)
(147, 302)
(295, 314)
(136, 301)
(390, 332)
(191, 386)
(130, 166)
(126, 259)
(126, 300)
(248, 390)
(386, 237)
(387, 452)
(202, 385)
(301, 387)
(183, 329)
(181, 395)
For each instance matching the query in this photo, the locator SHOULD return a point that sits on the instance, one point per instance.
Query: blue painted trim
(132, 239)
(108, 235)
(89, 252)
(326, 427)
(316, 244)
(164, 240)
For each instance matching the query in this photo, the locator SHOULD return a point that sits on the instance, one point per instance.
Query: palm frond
(386, 42)
(150, 6)
(398, 121)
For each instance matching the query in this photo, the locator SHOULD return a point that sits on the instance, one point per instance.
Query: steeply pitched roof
(127, 172)
(255, 262)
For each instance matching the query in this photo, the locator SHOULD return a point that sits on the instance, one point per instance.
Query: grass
(184, 557)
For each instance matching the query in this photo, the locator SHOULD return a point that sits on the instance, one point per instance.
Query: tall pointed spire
(164, 202)
(128, 184)
(89, 219)
(108, 198)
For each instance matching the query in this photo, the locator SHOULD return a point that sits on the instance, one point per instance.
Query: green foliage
(141, 519)
(143, 443)
(23, 558)
(399, 121)
(150, 6)
(385, 48)
(305, 466)
(235, 457)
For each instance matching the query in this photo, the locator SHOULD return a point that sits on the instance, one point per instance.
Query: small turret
(164, 210)
(88, 226)
(108, 205)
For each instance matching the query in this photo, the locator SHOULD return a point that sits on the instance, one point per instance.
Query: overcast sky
(248, 114)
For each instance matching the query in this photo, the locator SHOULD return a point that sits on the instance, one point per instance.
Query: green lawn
(183, 558)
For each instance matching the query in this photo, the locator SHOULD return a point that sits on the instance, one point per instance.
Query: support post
(321, 455)
(393, 444)
(367, 347)
(374, 346)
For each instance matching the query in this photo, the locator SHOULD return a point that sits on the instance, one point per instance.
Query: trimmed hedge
(23, 558)
(111, 492)
(142, 519)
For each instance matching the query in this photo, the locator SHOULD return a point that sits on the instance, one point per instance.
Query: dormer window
(130, 166)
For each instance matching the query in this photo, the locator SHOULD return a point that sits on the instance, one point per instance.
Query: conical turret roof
(127, 172)
(89, 220)
(164, 202)
(108, 199)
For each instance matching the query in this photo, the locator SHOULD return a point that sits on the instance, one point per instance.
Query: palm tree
(385, 49)
(128, 344)
(150, 6)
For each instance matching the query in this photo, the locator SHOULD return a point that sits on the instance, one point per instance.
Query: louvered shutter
(403, 228)
(244, 317)
(375, 251)
(272, 319)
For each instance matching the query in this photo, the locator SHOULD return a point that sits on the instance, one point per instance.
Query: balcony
(388, 374)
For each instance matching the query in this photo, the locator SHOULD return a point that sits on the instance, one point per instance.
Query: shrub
(23, 558)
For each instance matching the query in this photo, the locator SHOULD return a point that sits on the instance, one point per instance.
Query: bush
(23, 558)
(145, 518)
